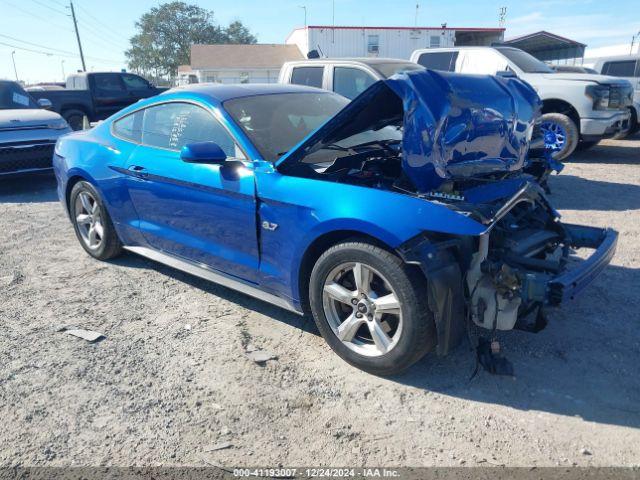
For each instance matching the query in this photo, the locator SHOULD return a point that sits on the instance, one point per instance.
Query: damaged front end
(525, 261)
(463, 143)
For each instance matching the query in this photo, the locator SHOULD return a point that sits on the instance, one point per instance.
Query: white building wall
(395, 43)
(238, 75)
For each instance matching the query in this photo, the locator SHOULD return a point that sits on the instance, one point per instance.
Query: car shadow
(624, 152)
(569, 192)
(304, 323)
(583, 364)
(28, 189)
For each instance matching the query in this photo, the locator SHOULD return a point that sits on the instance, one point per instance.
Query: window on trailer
(373, 44)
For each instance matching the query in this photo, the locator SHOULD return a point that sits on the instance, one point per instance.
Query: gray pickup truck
(28, 132)
(348, 77)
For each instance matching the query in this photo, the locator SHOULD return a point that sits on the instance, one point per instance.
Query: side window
(351, 82)
(134, 82)
(624, 68)
(130, 127)
(309, 76)
(439, 61)
(373, 44)
(173, 125)
(108, 84)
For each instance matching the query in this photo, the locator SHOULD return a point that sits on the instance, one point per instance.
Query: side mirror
(203, 152)
(45, 103)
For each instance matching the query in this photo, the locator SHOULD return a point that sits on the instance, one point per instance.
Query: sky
(30, 27)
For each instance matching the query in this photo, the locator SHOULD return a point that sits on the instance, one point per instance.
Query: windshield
(389, 69)
(525, 62)
(275, 123)
(13, 96)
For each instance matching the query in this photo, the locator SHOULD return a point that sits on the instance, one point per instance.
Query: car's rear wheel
(92, 223)
(560, 133)
(371, 308)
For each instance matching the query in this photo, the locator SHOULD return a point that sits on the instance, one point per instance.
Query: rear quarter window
(129, 127)
(309, 76)
(445, 61)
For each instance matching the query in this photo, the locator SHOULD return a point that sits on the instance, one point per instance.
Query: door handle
(138, 171)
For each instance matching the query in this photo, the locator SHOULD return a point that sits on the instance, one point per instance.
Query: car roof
(222, 92)
(364, 60)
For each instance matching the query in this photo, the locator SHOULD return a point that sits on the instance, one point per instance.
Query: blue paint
(213, 214)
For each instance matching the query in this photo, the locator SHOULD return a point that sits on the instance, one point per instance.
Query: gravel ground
(171, 381)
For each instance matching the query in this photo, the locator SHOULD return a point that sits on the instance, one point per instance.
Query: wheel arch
(69, 107)
(321, 244)
(71, 182)
(556, 105)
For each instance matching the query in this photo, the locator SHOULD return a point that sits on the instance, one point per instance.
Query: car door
(138, 87)
(109, 94)
(351, 81)
(198, 212)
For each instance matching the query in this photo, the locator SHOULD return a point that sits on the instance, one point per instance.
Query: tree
(166, 33)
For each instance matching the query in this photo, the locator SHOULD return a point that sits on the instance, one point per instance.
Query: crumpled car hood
(454, 125)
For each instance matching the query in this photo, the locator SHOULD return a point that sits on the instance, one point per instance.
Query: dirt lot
(172, 380)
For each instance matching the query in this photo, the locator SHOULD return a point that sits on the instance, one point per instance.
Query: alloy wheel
(554, 135)
(89, 220)
(362, 309)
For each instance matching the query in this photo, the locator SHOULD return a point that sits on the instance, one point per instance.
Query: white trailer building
(393, 42)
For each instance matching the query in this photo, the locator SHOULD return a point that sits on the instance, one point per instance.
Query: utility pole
(13, 57)
(63, 75)
(333, 21)
(633, 41)
(304, 7)
(75, 24)
(417, 10)
(502, 16)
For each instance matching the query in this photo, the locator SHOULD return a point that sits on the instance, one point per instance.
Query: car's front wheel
(560, 133)
(92, 223)
(371, 308)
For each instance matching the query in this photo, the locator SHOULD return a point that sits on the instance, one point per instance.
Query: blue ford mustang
(394, 220)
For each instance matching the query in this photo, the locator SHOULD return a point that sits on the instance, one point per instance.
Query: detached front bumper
(554, 290)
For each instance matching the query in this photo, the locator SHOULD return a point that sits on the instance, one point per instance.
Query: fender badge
(269, 226)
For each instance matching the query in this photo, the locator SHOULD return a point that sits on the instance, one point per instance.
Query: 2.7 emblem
(269, 226)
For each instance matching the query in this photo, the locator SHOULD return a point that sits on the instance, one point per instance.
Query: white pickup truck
(578, 109)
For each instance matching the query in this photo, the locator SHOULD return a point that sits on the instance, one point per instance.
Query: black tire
(572, 133)
(417, 335)
(110, 245)
(75, 118)
(634, 124)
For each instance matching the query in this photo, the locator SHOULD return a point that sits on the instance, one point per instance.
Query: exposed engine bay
(527, 241)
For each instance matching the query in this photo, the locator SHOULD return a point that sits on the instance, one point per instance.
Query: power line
(33, 15)
(37, 45)
(50, 8)
(55, 54)
(99, 24)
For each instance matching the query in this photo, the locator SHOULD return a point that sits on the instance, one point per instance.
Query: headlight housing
(59, 124)
(600, 95)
